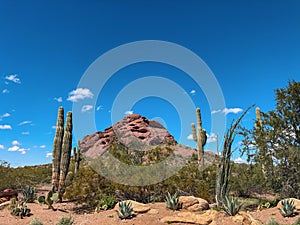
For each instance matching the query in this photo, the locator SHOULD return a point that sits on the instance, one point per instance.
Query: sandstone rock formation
(193, 204)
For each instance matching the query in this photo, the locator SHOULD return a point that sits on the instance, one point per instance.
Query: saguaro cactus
(56, 154)
(76, 157)
(200, 138)
(65, 154)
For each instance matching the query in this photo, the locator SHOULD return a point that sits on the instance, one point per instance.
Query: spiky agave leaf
(231, 206)
(172, 201)
(287, 208)
(125, 210)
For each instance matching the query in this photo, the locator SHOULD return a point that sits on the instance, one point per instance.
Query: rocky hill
(136, 135)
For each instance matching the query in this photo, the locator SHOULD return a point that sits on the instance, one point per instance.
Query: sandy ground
(110, 217)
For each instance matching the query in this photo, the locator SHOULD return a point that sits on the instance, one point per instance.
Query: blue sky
(252, 48)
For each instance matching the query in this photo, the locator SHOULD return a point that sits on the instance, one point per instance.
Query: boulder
(192, 218)
(244, 218)
(193, 204)
(137, 207)
(187, 201)
(296, 203)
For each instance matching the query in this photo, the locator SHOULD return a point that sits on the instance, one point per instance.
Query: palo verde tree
(274, 142)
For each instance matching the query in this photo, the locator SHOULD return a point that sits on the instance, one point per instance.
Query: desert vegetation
(272, 148)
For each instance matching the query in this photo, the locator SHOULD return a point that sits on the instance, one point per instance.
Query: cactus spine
(56, 154)
(65, 154)
(200, 138)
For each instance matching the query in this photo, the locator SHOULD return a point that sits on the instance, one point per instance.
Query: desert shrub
(272, 221)
(105, 203)
(297, 222)
(36, 221)
(66, 221)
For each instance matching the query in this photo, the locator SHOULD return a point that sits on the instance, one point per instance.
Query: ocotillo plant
(65, 154)
(224, 168)
(56, 154)
(200, 138)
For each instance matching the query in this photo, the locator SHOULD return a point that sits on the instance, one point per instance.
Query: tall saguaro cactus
(65, 154)
(57, 145)
(200, 138)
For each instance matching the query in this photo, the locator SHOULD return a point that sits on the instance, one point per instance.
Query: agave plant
(125, 210)
(287, 208)
(231, 206)
(29, 194)
(172, 201)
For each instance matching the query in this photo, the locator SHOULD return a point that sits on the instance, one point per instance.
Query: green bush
(272, 221)
(105, 203)
(36, 221)
(66, 221)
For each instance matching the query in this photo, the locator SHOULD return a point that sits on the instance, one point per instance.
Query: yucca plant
(287, 208)
(29, 194)
(231, 206)
(125, 210)
(172, 201)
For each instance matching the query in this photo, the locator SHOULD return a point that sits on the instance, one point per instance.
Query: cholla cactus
(125, 210)
(287, 208)
(199, 137)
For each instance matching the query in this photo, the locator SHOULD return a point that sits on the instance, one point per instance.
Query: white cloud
(14, 78)
(80, 94)
(190, 137)
(25, 132)
(128, 112)
(14, 148)
(100, 107)
(232, 110)
(22, 150)
(240, 160)
(25, 122)
(5, 91)
(43, 146)
(15, 142)
(59, 99)
(2, 147)
(53, 127)
(228, 110)
(4, 115)
(193, 92)
(216, 111)
(48, 154)
(86, 108)
(5, 127)
(211, 138)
